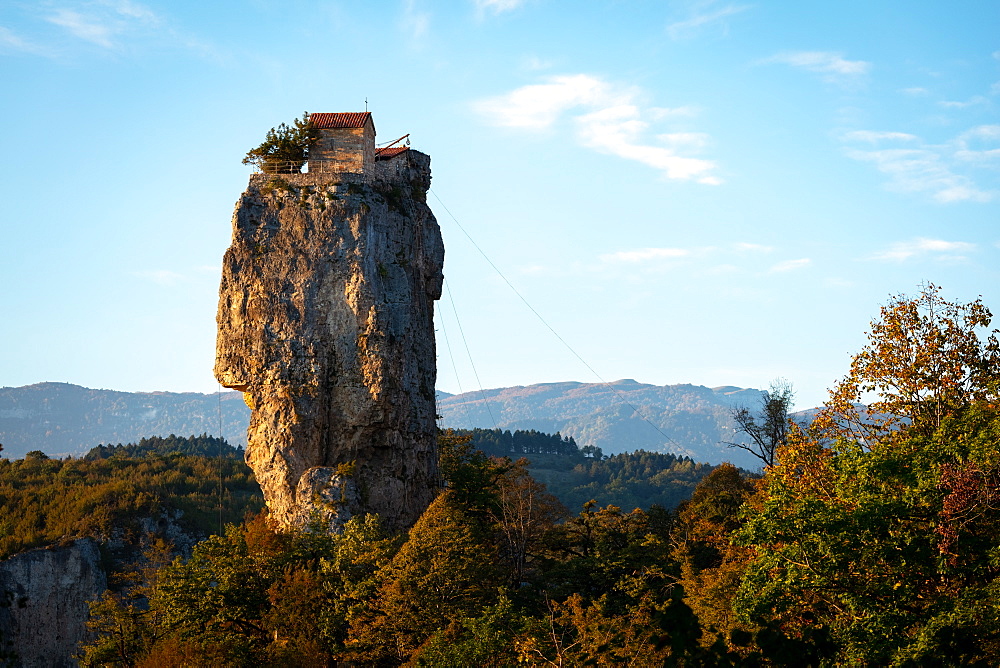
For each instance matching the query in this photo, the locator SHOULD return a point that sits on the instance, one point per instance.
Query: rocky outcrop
(44, 597)
(326, 324)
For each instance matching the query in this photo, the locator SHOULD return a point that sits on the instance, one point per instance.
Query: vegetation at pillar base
(285, 149)
(873, 539)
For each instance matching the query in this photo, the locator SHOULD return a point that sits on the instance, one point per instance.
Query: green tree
(444, 572)
(285, 148)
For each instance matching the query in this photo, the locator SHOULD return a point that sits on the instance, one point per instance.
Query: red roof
(386, 152)
(346, 120)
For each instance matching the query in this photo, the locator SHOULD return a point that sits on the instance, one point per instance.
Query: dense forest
(871, 539)
(576, 475)
(114, 488)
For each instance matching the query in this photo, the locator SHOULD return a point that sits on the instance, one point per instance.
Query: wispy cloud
(86, 28)
(921, 167)
(915, 91)
(102, 23)
(673, 254)
(971, 102)
(789, 265)
(498, 6)
(606, 117)
(534, 64)
(980, 146)
(11, 41)
(647, 254)
(872, 137)
(163, 277)
(747, 247)
(414, 22)
(922, 247)
(833, 65)
(703, 14)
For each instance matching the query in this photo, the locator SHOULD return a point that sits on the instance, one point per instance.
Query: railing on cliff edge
(278, 167)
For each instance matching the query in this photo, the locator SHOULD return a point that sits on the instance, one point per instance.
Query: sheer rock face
(326, 324)
(44, 596)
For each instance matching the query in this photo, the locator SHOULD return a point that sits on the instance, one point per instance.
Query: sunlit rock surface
(326, 324)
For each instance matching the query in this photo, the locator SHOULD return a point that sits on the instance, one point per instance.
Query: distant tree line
(199, 446)
(504, 443)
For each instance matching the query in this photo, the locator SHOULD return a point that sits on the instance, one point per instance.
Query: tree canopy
(285, 149)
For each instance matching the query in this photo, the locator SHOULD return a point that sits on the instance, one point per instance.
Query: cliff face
(43, 602)
(326, 324)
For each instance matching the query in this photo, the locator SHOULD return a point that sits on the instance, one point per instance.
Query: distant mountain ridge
(690, 420)
(65, 419)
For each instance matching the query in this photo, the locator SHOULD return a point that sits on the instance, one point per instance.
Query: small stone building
(346, 143)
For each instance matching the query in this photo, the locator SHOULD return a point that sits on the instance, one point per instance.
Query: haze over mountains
(64, 419)
(621, 416)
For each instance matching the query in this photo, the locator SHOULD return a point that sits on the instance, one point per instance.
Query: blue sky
(707, 192)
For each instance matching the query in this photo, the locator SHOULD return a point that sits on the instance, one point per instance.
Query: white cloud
(824, 62)
(538, 106)
(934, 169)
(693, 141)
(606, 117)
(661, 113)
(874, 137)
(703, 14)
(498, 6)
(921, 247)
(971, 102)
(915, 91)
(789, 265)
(617, 130)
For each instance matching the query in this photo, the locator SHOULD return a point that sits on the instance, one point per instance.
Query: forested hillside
(577, 475)
(123, 491)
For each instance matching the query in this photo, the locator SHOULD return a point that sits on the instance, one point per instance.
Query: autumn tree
(924, 361)
(711, 566)
(524, 513)
(876, 528)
